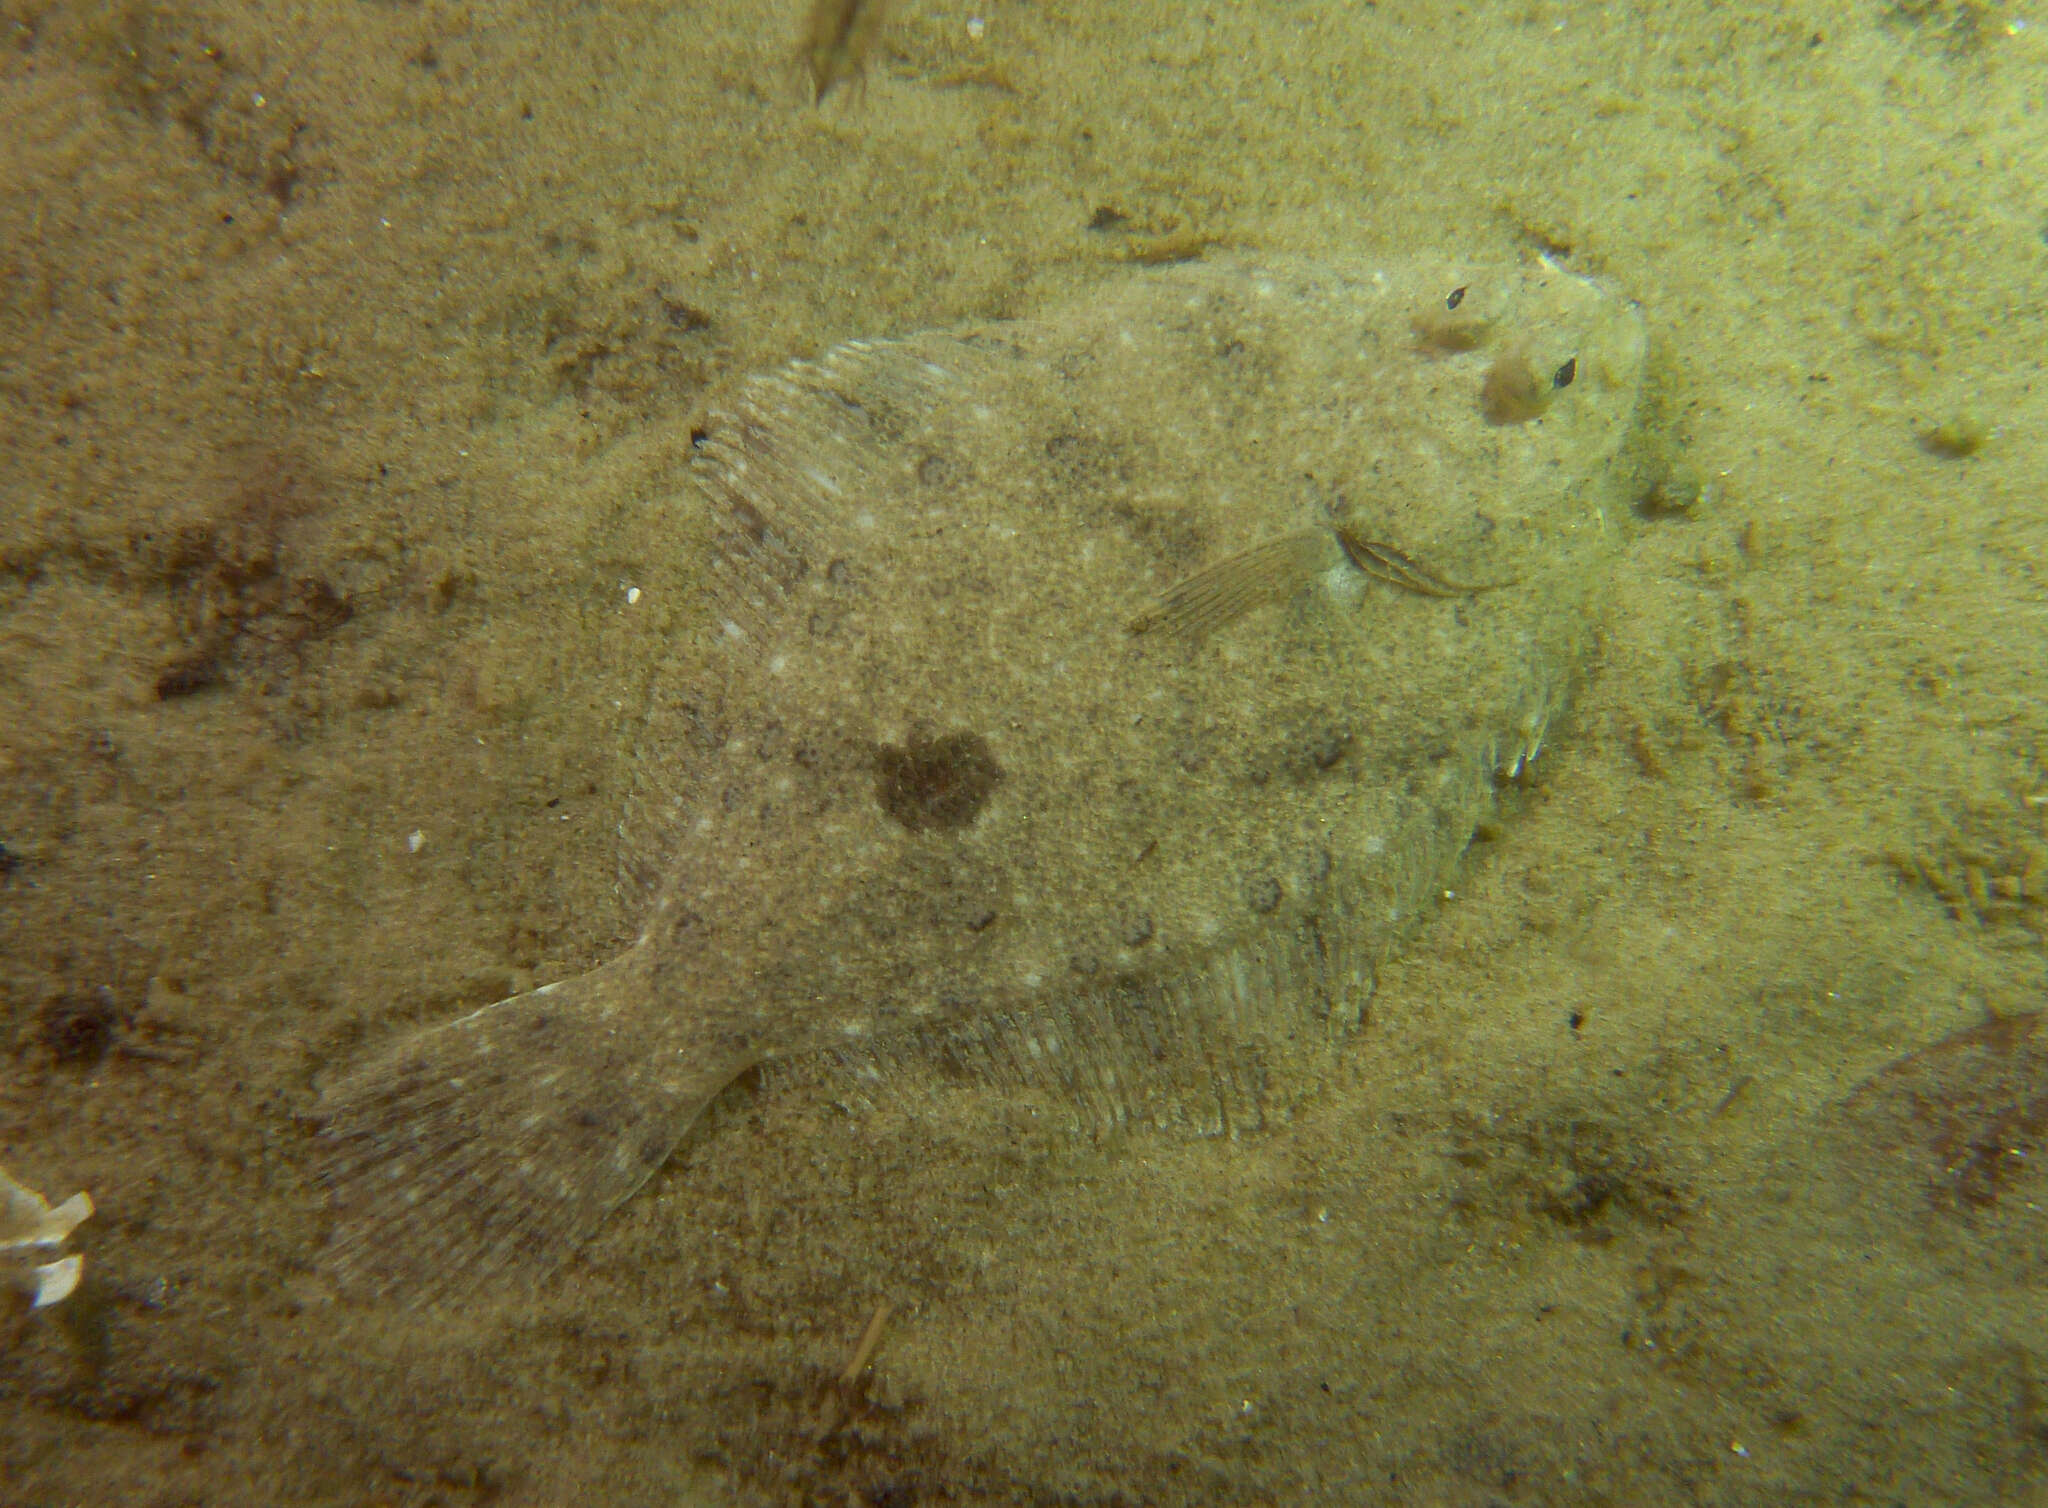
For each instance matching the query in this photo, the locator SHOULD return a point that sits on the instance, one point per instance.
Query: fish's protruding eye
(1562, 377)
(1458, 324)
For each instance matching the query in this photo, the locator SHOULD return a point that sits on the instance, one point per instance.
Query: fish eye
(1452, 327)
(1563, 376)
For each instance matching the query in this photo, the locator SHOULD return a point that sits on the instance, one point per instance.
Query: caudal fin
(496, 1143)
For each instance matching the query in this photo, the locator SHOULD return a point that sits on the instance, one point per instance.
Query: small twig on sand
(836, 1406)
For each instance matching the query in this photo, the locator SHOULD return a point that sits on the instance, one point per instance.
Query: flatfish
(1101, 695)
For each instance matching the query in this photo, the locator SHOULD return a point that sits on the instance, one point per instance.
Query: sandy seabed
(1693, 1154)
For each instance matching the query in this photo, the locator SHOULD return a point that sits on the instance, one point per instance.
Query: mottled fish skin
(955, 809)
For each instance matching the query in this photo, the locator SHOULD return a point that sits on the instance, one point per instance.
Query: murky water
(1688, 1150)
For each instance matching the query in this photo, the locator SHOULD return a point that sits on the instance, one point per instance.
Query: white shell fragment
(30, 1228)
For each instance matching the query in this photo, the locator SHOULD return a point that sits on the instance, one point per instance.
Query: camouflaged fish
(1103, 695)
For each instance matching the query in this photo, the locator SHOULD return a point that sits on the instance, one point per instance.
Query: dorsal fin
(784, 469)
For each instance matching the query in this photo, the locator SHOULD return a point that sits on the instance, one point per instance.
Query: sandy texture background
(348, 355)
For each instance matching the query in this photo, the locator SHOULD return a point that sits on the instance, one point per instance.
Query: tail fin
(498, 1142)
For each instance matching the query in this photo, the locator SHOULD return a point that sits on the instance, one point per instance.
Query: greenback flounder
(1103, 694)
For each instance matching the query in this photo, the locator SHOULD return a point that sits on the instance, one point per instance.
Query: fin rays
(783, 469)
(1383, 562)
(451, 1160)
(1218, 1052)
(1273, 570)
(1267, 573)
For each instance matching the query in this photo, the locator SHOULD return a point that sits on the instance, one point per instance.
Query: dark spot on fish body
(828, 623)
(1513, 393)
(750, 521)
(78, 1029)
(1092, 465)
(1329, 749)
(681, 923)
(195, 672)
(1264, 895)
(942, 783)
